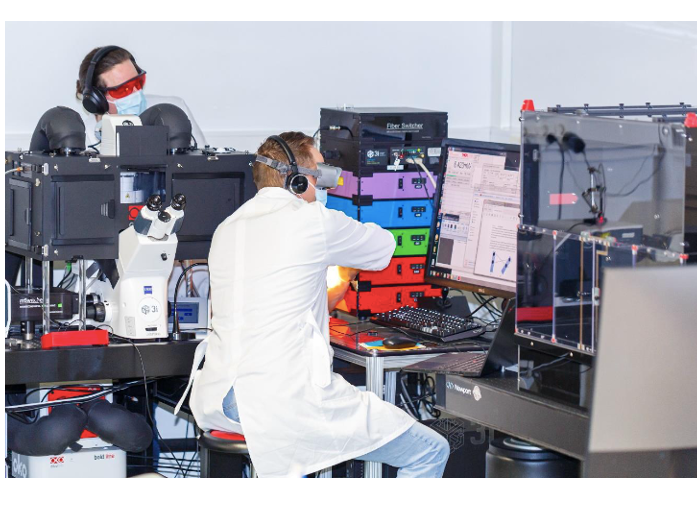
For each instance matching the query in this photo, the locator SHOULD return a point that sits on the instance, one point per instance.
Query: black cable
(413, 400)
(641, 182)
(67, 272)
(76, 400)
(196, 452)
(196, 147)
(485, 302)
(187, 284)
(663, 154)
(194, 458)
(190, 291)
(170, 470)
(482, 305)
(561, 360)
(591, 171)
(561, 177)
(148, 457)
(496, 314)
(428, 387)
(148, 409)
(354, 333)
(66, 326)
(556, 363)
(409, 400)
(148, 403)
(184, 452)
(425, 395)
(422, 177)
(352, 323)
(23, 408)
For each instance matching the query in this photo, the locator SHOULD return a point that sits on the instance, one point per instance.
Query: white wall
(245, 80)
(603, 63)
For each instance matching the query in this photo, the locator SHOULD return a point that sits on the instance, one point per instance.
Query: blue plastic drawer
(399, 213)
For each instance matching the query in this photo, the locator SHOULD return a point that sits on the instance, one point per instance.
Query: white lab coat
(151, 100)
(268, 264)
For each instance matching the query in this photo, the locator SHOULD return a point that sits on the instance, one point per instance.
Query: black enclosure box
(67, 207)
(349, 135)
(28, 305)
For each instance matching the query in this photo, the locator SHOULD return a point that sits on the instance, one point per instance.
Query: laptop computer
(503, 352)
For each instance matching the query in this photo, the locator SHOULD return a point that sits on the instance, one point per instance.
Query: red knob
(691, 120)
(528, 105)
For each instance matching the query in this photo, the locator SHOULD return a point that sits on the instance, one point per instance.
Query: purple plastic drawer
(386, 185)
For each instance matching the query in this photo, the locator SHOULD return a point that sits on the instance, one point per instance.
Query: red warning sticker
(562, 199)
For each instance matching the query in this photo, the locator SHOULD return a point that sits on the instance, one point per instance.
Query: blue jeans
(419, 452)
(230, 407)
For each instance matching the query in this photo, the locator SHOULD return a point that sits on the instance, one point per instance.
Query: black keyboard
(430, 324)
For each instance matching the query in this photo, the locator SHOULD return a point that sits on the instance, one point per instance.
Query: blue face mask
(133, 104)
(321, 195)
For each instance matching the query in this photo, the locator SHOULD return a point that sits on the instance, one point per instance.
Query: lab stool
(223, 455)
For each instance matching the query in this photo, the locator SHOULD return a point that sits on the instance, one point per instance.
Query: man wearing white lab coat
(270, 346)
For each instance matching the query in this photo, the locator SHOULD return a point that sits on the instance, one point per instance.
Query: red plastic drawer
(400, 271)
(383, 299)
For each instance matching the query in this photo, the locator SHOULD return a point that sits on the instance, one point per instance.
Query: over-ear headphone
(94, 99)
(294, 181)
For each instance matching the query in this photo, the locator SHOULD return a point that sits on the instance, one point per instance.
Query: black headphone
(94, 99)
(295, 182)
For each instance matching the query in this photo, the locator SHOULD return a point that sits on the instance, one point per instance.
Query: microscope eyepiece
(178, 202)
(154, 202)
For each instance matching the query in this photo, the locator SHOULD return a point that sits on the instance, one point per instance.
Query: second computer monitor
(473, 236)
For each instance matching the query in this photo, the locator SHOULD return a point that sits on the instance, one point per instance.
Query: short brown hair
(300, 144)
(106, 63)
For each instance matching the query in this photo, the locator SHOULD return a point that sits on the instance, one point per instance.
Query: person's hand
(348, 274)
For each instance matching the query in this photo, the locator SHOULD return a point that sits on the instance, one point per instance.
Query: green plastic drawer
(410, 241)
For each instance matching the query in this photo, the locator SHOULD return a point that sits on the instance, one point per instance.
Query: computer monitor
(473, 235)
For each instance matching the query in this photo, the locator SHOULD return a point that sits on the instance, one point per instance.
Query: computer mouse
(399, 342)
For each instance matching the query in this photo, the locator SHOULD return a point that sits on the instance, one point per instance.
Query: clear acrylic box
(596, 193)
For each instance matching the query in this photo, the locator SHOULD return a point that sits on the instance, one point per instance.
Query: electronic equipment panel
(74, 206)
(389, 157)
